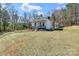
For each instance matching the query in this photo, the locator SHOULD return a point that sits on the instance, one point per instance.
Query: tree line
(10, 20)
(68, 16)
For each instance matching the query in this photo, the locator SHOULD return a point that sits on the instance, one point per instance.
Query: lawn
(41, 43)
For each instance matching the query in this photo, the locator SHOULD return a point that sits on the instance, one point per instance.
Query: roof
(39, 20)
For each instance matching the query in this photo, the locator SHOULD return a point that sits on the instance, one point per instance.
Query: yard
(41, 43)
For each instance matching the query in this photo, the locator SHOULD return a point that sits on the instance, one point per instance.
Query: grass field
(42, 43)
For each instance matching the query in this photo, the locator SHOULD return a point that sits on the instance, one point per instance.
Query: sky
(40, 8)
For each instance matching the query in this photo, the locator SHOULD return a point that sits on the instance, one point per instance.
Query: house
(46, 24)
(42, 23)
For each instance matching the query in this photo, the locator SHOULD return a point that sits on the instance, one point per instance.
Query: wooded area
(10, 20)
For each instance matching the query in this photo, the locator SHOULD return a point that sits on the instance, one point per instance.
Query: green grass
(43, 43)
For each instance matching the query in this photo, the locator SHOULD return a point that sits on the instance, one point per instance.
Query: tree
(25, 20)
(13, 17)
(71, 13)
(4, 17)
(0, 16)
(53, 20)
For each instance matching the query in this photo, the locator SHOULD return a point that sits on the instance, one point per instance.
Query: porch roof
(39, 20)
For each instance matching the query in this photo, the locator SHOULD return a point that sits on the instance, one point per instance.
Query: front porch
(39, 24)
